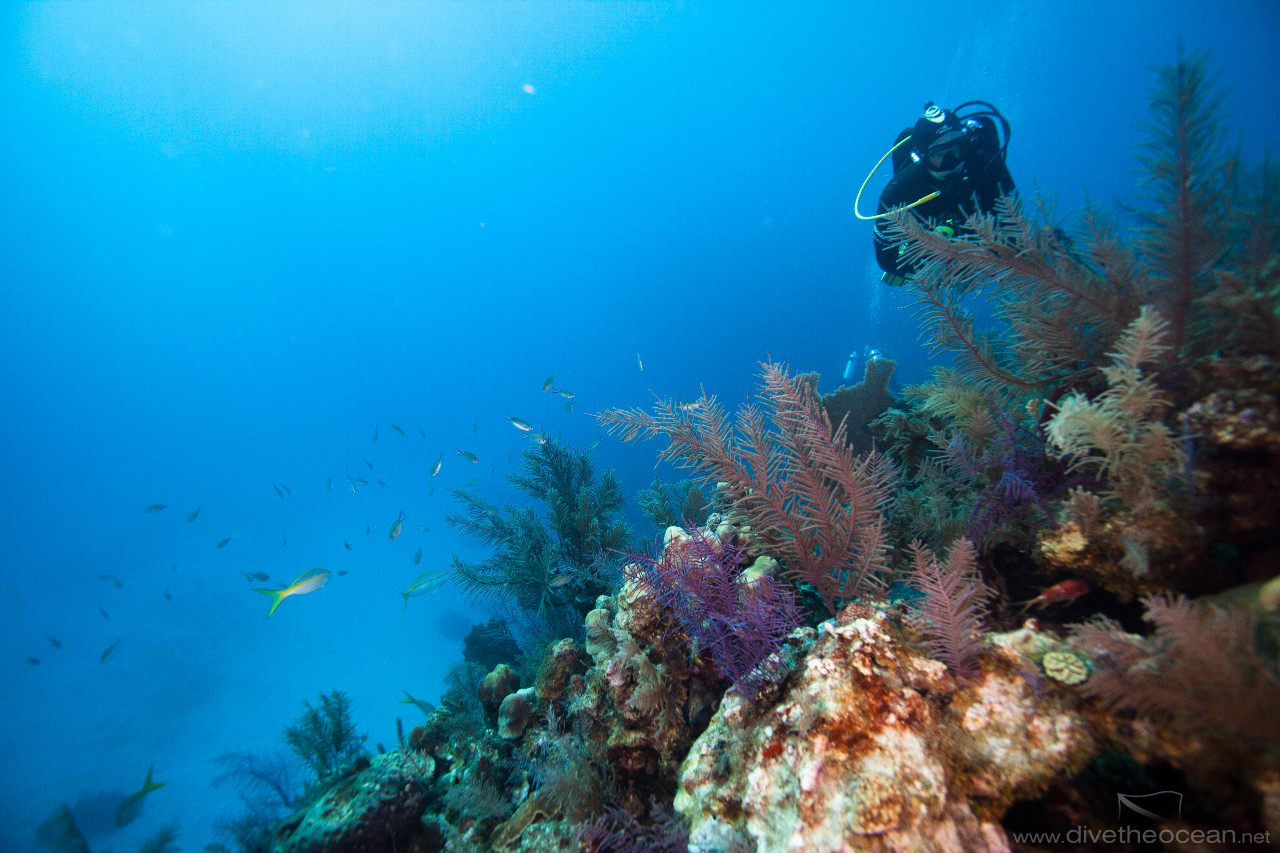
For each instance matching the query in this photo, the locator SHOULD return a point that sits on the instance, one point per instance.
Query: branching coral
(668, 505)
(1120, 435)
(581, 508)
(736, 620)
(1184, 233)
(951, 612)
(1061, 303)
(263, 781)
(971, 467)
(531, 561)
(324, 736)
(1201, 671)
(809, 499)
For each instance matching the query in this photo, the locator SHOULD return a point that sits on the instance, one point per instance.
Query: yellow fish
(397, 429)
(520, 424)
(154, 507)
(467, 455)
(306, 582)
(547, 385)
(421, 584)
(435, 468)
(131, 806)
(395, 527)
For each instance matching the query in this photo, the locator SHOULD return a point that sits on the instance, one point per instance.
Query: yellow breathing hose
(875, 169)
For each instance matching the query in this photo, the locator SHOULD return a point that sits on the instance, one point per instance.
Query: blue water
(238, 237)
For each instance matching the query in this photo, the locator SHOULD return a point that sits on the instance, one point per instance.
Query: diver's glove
(893, 279)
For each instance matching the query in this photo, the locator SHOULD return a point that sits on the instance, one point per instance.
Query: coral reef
(1140, 512)
(1201, 670)
(378, 807)
(1112, 438)
(670, 505)
(873, 747)
(952, 606)
(969, 466)
(324, 737)
(735, 618)
(806, 496)
(554, 569)
(856, 406)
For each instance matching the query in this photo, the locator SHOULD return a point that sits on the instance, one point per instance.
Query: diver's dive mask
(944, 156)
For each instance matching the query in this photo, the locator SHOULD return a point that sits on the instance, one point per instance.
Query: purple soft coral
(736, 620)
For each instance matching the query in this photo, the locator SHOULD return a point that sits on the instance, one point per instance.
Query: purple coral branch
(737, 624)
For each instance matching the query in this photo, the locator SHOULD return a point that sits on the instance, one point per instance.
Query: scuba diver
(946, 167)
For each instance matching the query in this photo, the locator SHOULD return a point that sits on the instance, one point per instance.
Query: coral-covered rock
(496, 686)
(558, 668)
(1243, 420)
(873, 747)
(378, 808)
(600, 641)
(517, 712)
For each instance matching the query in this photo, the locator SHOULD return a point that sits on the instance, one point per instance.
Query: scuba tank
(848, 368)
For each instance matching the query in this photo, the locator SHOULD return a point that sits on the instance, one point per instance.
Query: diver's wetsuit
(911, 181)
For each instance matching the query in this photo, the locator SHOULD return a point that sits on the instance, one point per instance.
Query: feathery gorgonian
(809, 500)
(954, 604)
(736, 620)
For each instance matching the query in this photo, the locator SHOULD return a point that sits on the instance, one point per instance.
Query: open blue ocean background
(238, 238)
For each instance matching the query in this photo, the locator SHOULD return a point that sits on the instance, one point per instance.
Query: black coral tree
(814, 504)
(950, 614)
